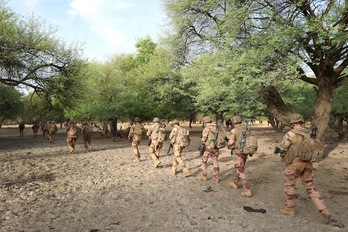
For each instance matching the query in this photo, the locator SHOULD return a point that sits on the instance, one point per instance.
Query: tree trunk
(113, 127)
(276, 106)
(323, 106)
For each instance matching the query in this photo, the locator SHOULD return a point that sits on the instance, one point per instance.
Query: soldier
(87, 136)
(156, 133)
(211, 151)
(296, 168)
(35, 128)
(135, 133)
(52, 129)
(21, 127)
(234, 141)
(44, 128)
(71, 136)
(177, 159)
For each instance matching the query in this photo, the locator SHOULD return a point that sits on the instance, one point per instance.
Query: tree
(31, 57)
(310, 36)
(11, 105)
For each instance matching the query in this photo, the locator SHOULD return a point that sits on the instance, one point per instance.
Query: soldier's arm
(286, 142)
(231, 138)
(205, 134)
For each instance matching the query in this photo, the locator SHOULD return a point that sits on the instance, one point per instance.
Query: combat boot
(246, 193)
(287, 212)
(136, 160)
(202, 177)
(186, 172)
(326, 215)
(156, 163)
(233, 185)
(173, 171)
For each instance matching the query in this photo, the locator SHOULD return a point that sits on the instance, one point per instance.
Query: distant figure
(52, 129)
(21, 127)
(44, 129)
(71, 136)
(156, 133)
(135, 133)
(87, 136)
(35, 128)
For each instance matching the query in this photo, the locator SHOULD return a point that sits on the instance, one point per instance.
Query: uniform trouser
(304, 170)
(71, 143)
(239, 165)
(177, 160)
(135, 144)
(214, 155)
(51, 137)
(21, 132)
(87, 140)
(154, 149)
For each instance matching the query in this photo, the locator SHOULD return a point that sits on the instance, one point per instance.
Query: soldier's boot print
(186, 172)
(288, 212)
(202, 177)
(233, 185)
(326, 215)
(246, 193)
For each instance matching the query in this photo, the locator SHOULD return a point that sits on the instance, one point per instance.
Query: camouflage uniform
(156, 143)
(296, 168)
(35, 128)
(135, 133)
(21, 127)
(44, 128)
(87, 137)
(210, 151)
(234, 140)
(52, 129)
(71, 132)
(177, 159)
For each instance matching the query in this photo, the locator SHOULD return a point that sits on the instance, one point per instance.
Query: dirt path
(42, 188)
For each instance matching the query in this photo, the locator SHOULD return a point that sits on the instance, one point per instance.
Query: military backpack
(183, 137)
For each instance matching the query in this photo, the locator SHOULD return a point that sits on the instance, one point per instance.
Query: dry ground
(43, 188)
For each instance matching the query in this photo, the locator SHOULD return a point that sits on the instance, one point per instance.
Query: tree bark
(276, 106)
(323, 105)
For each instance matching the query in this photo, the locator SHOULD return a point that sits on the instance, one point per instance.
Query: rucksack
(183, 137)
(248, 144)
(138, 129)
(311, 147)
(72, 132)
(159, 133)
(216, 137)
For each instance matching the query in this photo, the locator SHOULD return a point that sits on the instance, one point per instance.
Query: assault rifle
(282, 153)
(169, 148)
(314, 130)
(202, 149)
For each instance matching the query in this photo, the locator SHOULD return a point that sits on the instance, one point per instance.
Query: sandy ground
(43, 188)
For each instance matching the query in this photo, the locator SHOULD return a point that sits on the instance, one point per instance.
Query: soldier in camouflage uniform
(21, 127)
(210, 152)
(296, 168)
(71, 136)
(234, 140)
(135, 133)
(156, 133)
(52, 129)
(35, 128)
(87, 136)
(177, 159)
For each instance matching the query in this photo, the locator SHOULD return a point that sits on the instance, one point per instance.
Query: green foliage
(11, 106)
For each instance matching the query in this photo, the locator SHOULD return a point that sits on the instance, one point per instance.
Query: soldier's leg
(291, 173)
(216, 169)
(307, 181)
(136, 149)
(152, 150)
(70, 145)
(239, 171)
(175, 164)
(205, 157)
(177, 155)
(158, 149)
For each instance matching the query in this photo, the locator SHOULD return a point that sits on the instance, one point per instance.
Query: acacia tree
(31, 57)
(11, 105)
(311, 33)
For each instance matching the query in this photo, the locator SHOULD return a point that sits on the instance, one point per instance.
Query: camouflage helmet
(136, 119)
(207, 119)
(236, 119)
(175, 122)
(156, 119)
(295, 118)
